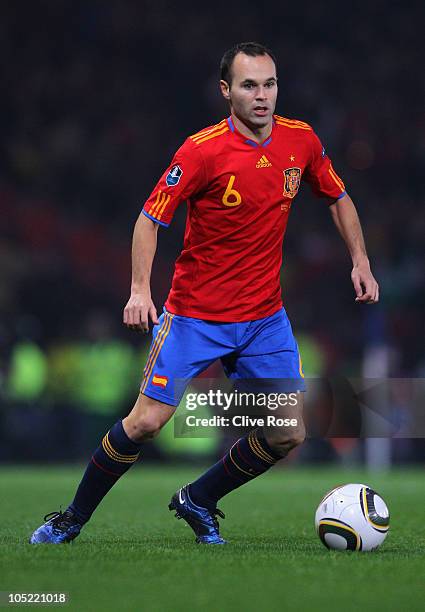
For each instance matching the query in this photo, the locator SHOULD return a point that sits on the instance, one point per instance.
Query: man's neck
(257, 134)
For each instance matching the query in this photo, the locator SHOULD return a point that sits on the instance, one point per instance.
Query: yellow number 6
(231, 193)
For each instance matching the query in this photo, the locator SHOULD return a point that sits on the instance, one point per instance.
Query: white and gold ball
(352, 517)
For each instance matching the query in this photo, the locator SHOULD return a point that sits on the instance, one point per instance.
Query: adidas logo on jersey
(263, 162)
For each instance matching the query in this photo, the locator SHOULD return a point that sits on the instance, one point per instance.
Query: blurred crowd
(97, 96)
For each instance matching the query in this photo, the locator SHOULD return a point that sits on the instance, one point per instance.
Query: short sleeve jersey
(239, 195)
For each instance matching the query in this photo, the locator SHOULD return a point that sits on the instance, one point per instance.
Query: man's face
(253, 92)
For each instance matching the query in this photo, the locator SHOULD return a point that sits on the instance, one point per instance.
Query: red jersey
(239, 195)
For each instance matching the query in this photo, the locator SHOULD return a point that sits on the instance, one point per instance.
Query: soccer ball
(352, 517)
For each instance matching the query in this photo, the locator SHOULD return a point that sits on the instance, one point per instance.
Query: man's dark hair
(249, 48)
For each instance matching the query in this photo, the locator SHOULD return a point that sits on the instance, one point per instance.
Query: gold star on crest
(292, 158)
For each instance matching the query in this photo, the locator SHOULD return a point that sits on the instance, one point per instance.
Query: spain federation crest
(292, 180)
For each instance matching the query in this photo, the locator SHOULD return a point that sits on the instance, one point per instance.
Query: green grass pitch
(134, 555)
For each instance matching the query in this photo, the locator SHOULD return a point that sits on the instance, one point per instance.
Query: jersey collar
(246, 140)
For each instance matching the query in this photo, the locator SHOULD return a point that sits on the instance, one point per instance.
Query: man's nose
(261, 93)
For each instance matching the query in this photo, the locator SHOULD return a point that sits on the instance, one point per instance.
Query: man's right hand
(138, 310)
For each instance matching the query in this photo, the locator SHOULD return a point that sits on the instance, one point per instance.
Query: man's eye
(270, 84)
(248, 85)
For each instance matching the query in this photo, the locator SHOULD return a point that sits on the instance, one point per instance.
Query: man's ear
(225, 89)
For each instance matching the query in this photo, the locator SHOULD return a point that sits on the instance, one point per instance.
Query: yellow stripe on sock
(133, 456)
(258, 449)
(239, 468)
(113, 454)
(261, 447)
(113, 457)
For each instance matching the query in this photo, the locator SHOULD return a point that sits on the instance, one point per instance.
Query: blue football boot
(60, 527)
(203, 521)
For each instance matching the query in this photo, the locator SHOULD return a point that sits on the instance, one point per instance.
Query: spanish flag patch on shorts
(160, 381)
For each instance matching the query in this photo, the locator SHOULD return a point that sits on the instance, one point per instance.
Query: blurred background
(96, 97)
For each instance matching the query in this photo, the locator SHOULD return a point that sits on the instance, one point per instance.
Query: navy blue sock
(248, 458)
(113, 457)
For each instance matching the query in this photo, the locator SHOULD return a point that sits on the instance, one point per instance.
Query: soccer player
(239, 178)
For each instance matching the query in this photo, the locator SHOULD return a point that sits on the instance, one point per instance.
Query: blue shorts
(183, 347)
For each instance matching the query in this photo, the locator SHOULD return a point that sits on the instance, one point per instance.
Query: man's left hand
(365, 285)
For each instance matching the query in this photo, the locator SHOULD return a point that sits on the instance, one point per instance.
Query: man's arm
(184, 177)
(140, 306)
(347, 221)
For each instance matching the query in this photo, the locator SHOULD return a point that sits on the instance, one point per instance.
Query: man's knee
(282, 440)
(147, 418)
(144, 427)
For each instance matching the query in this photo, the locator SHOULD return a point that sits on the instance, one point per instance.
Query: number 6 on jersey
(235, 196)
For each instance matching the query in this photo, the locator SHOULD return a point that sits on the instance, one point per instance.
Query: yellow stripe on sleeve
(336, 178)
(156, 203)
(163, 206)
(293, 126)
(207, 131)
(213, 135)
(294, 121)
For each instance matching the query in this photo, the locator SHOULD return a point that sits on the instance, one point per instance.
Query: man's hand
(365, 285)
(138, 310)
(347, 221)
